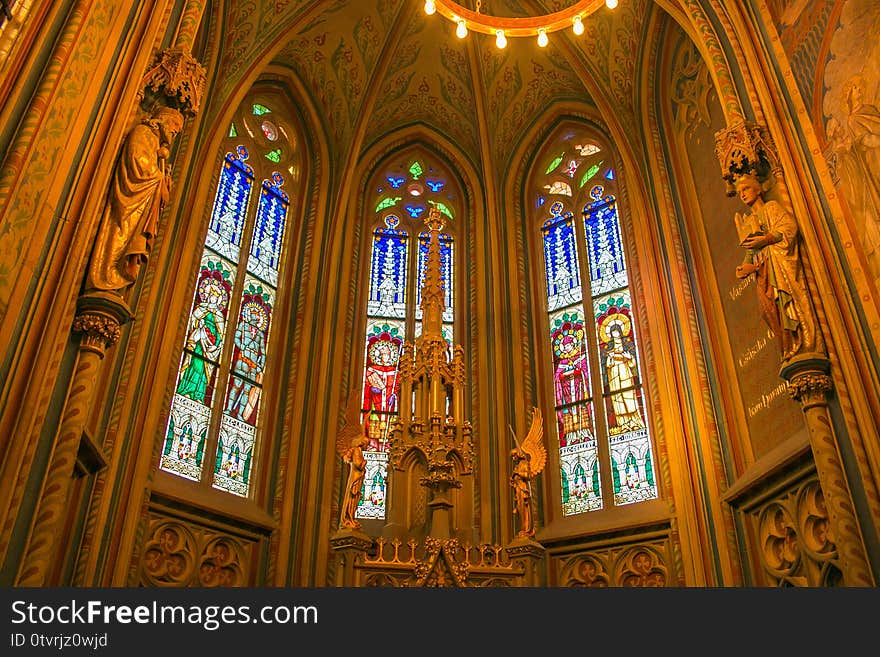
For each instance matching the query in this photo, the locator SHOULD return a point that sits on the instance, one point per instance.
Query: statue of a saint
(350, 445)
(770, 235)
(529, 460)
(140, 187)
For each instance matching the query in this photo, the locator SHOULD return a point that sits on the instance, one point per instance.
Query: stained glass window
(214, 423)
(404, 190)
(605, 453)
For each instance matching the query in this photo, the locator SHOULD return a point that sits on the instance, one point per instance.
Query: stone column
(809, 384)
(97, 323)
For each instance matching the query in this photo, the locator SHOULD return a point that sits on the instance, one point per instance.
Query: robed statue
(350, 443)
(140, 188)
(529, 459)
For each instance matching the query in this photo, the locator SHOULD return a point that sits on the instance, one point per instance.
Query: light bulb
(611, 4)
(461, 29)
(542, 38)
(430, 7)
(578, 26)
(500, 39)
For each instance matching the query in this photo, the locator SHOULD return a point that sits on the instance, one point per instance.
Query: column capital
(99, 317)
(808, 379)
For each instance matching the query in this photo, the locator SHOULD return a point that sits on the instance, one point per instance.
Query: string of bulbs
(503, 27)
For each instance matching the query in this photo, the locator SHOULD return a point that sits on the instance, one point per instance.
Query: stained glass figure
(196, 379)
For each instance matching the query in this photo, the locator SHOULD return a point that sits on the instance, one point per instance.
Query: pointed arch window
(213, 427)
(605, 451)
(402, 194)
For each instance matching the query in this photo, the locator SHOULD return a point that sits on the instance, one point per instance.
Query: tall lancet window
(213, 427)
(605, 453)
(402, 193)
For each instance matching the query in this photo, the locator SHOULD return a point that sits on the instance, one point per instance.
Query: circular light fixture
(430, 7)
(513, 26)
(611, 4)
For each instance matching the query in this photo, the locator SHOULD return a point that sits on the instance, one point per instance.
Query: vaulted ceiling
(372, 67)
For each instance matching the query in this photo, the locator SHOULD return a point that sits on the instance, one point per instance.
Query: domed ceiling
(372, 67)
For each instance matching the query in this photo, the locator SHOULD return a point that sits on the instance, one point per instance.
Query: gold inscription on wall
(766, 399)
(755, 348)
(737, 290)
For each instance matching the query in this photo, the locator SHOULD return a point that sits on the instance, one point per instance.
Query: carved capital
(97, 331)
(98, 320)
(745, 147)
(808, 380)
(810, 389)
(179, 77)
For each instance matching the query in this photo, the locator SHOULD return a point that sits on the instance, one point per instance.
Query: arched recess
(599, 157)
(682, 113)
(697, 22)
(169, 294)
(367, 211)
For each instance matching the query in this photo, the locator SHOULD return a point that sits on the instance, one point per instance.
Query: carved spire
(433, 289)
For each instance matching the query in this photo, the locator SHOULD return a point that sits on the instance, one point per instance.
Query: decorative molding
(179, 77)
(641, 564)
(795, 543)
(185, 554)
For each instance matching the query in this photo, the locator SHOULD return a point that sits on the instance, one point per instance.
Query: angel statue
(529, 459)
(350, 444)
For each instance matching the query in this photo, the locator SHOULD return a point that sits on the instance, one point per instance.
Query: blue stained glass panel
(561, 261)
(388, 274)
(445, 273)
(604, 246)
(230, 205)
(265, 252)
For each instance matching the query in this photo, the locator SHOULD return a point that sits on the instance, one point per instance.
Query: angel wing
(533, 444)
(350, 432)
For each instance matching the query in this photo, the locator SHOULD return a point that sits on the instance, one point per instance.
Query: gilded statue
(529, 459)
(771, 238)
(140, 187)
(350, 445)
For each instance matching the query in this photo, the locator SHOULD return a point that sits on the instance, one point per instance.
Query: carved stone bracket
(745, 147)
(99, 316)
(179, 77)
(808, 380)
